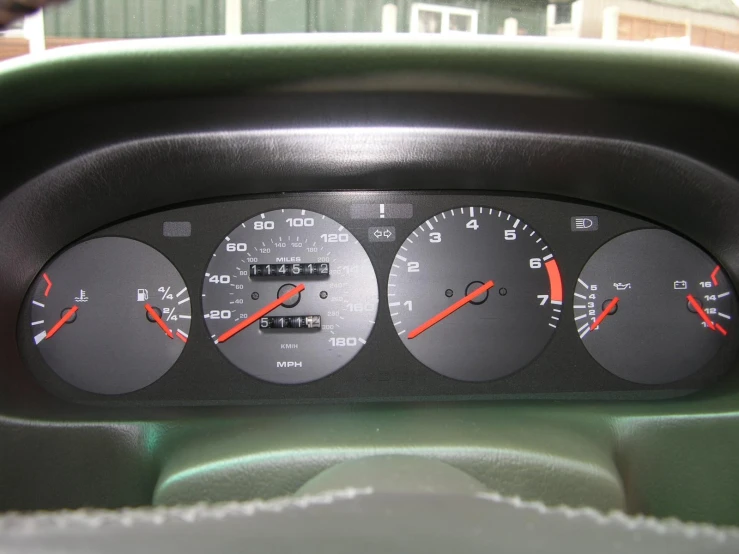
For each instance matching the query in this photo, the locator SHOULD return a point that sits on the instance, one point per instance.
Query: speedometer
(290, 296)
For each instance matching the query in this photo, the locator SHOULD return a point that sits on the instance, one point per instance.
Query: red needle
(451, 309)
(604, 313)
(697, 307)
(155, 316)
(61, 322)
(261, 313)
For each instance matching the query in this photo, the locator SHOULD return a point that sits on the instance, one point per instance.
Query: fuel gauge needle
(59, 324)
(155, 316)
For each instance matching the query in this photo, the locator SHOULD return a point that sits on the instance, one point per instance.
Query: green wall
(167, 18)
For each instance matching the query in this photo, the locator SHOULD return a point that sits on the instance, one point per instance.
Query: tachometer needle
(451, 309)
(155, 316)
(604, 314)
(699, 310)
(59, 324)
(260, 314)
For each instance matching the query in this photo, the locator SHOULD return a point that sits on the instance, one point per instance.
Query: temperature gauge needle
(260, 314)
(451, 309)
(604, 314)
(699, 310)
(59, 324)
(155, 316)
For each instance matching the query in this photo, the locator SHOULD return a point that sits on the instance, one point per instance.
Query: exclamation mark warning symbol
(382, 211)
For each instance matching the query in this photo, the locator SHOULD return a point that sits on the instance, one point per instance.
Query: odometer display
(290, 296)
(475, 293)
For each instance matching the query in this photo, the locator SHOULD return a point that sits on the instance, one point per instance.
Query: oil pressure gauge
(652, 308)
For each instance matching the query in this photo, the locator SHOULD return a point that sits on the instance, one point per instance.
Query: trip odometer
(475, 293)
(290, 296)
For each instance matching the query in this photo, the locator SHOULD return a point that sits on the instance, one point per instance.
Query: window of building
(432, 18)
(15, 29)
(563, 13)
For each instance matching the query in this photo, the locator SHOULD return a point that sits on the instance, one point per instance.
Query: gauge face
(474, 293)
(652, 308)
(110, 315)
(290, 296)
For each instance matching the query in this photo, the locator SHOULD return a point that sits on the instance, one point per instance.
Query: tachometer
(290, 296)
(475, 293)
(652, 308)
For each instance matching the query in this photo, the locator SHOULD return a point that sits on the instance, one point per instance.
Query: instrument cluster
(378, 295)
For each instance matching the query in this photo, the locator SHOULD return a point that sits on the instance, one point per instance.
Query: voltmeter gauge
(110, 315)
(652, 308)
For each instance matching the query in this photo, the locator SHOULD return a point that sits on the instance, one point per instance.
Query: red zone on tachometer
(555, 281)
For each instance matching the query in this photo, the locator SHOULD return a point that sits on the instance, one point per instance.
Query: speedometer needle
(451, 309)
(155, 316)
(260, 314)
(59, 324)
(605, 313)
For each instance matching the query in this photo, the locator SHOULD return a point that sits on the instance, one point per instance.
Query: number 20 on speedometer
(475, 293)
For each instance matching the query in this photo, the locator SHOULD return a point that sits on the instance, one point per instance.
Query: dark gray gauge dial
(110, 315)
(475, 293)
(290, 296)
(652, 308)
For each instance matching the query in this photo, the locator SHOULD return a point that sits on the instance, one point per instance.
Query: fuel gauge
(110, 315)
(652, 308)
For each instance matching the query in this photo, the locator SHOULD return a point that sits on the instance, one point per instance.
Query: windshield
(673, 23)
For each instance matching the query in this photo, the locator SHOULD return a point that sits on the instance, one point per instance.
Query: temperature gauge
(652, 308)
(110, 315)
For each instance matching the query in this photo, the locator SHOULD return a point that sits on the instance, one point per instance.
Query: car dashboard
(288, 263)
(328, 295)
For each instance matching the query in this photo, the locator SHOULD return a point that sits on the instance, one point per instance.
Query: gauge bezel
(547, 318)
(293, 377)
(660, 325)
(78, 383)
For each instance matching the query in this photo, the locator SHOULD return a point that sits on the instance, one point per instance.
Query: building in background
(117, 19)
(708, 23)
(93, 20)
(715, 23)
